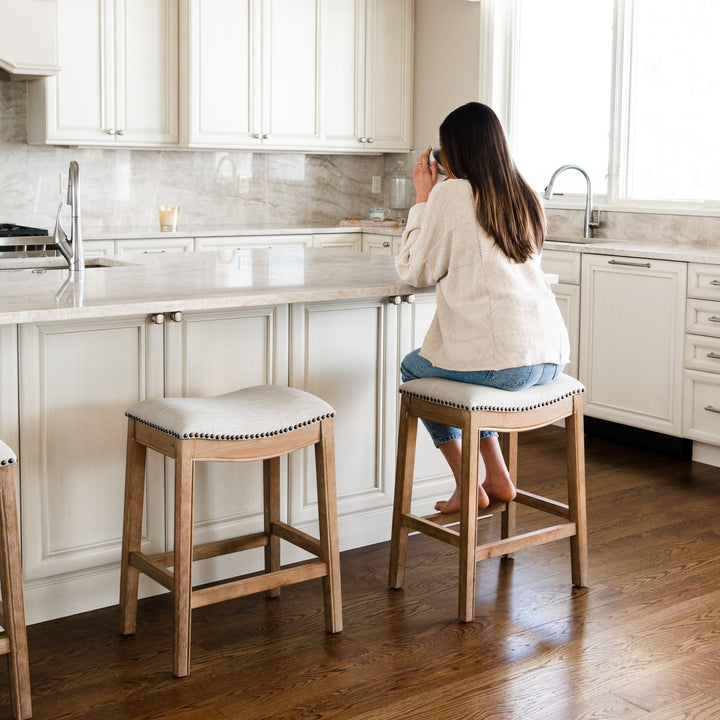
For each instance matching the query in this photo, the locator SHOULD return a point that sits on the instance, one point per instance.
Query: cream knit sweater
(492, 313)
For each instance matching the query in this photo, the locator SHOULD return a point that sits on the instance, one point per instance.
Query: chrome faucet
(589, 223)
(71, 248)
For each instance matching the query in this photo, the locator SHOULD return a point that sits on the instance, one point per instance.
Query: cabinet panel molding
(631, 335)
(76, 380)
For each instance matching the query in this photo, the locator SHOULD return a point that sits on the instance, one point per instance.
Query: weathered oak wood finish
(186, 598)
(470, 552)
(13, 637)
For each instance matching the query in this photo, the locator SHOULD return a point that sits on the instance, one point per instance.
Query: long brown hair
(473, 147)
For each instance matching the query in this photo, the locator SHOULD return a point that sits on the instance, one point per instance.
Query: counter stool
(256, 423)
(473, 408)
(13, 641)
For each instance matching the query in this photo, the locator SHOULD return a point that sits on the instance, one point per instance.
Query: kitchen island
(75, 353)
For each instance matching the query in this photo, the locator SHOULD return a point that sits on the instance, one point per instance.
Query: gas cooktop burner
(9, 230)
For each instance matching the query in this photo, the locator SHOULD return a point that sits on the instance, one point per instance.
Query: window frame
(498, 77)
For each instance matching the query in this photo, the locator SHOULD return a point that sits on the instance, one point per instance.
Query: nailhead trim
(494, 408)
(253, 436)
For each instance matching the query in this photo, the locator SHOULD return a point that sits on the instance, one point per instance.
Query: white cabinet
(245, 242)
(367, 57)
(378, 244)
(152, 246)
(566, 265)
(339, 241)
(300, 74)
(28, 44)
(701, 415)
(346, 353)
(631, 334)
(118, 83)
(254, 73)
(76, 380)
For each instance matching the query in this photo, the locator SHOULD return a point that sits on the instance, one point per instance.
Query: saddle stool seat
(473, 408)
(256, 423)
(13, 640)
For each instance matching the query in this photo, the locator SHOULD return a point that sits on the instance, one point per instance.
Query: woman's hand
(425, 176)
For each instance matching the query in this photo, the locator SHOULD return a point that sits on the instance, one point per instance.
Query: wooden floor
(642, 642)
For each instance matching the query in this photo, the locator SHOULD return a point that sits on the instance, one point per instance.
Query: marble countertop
(137, 284)
(699, 252)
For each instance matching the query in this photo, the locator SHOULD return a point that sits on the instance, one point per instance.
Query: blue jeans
(413, 366)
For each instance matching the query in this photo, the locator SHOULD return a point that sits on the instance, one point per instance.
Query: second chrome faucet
(589, 224)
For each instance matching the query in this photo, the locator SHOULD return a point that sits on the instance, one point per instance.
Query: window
(622, 88)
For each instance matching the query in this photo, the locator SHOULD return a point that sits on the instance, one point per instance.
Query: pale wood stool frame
(509, 423)
(13, 641)
(186, 452)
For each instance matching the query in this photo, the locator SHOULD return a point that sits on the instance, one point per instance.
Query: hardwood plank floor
(642, 642)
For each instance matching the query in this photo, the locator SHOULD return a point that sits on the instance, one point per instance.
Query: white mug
(378, 213)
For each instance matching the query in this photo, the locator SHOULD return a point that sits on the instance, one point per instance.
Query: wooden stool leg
(574, 432)
(468, 521)
(182, 557)
(327, 518)
(132, 529)
(271, 505)
(508, 525)
(404, 471)
(13, 607)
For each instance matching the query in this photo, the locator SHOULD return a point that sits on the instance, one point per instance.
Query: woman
(477, 236)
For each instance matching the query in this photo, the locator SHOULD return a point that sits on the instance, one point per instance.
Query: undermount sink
(44, 264)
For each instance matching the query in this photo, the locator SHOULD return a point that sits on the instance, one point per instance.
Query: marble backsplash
(121, 189)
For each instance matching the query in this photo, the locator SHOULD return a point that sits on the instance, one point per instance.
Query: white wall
(447, 63)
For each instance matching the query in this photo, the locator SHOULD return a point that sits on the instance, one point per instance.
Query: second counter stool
(256, 423)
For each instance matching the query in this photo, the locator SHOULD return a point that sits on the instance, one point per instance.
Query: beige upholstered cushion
(253, 412)
(7, 456)
(478, 397)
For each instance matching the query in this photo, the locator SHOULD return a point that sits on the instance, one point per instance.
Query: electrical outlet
(376, 184)
(243, 184)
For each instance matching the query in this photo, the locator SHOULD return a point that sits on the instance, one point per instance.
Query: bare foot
(452, 505)
(499, 487)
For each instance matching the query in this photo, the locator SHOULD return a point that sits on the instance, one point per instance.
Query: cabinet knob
(175, 316)
(362, 140)
(265, 136)
(158, 318)
(395, 299)
(370, 139)
(120, 132)
(410, 299)
(257, 136)
(386, 243)
(110, 131)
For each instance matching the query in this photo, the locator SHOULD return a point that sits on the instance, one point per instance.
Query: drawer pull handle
(715, 282)
(714, 355)
(710, 408)
(714, 318)
(628, 264)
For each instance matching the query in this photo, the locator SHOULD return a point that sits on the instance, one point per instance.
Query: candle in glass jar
(168, 217)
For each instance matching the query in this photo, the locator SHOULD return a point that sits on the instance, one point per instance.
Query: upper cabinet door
(118, 77)
(388, 74)
(224, 68)
(254, 73)
(367, 61)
